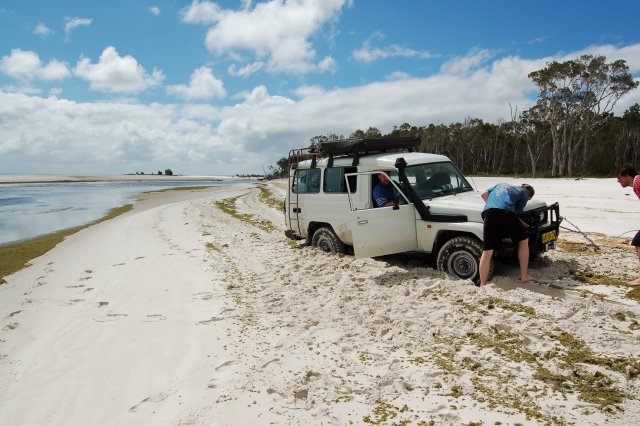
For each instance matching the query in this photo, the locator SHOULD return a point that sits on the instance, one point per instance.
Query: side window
(334, 180)
(306, 181)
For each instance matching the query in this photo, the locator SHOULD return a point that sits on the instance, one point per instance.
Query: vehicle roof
(381, 161)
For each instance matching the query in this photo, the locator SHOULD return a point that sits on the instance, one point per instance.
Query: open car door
(378, 231)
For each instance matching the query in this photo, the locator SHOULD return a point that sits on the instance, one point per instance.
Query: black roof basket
(370, 145)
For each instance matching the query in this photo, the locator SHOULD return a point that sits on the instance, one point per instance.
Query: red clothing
(636, 185)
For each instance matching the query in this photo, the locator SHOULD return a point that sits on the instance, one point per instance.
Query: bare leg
(523, 258)
(485, 264)
(637, 280)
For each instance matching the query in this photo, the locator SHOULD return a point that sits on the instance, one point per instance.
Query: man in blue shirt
(504, 203)
(383, 192)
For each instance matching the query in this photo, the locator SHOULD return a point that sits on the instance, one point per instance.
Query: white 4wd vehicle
(329, 203)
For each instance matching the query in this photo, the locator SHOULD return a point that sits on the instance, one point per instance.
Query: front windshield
(435, 179)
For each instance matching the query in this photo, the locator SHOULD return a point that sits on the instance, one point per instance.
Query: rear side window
(334, 179)
(306, 181)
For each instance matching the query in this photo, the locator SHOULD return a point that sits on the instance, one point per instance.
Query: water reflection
(30, 210)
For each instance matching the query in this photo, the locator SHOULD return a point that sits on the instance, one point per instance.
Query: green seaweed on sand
(228, 205)
(593, 387)
(384, 412)
(592, 278)
(267, 197)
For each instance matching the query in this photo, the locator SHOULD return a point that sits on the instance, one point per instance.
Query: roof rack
(370, 145)
(353, 147)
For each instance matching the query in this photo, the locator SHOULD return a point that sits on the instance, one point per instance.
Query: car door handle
(363, 222)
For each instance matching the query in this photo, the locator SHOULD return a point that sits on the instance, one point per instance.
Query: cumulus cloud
(117, 74)
(260, 127)
(154, 10)
(201, 12)
(71, 24)
(275, 32)
(42, 29)
(202, 85)
(245, 71)
(368, 53)
(26, 65)
(467, 63)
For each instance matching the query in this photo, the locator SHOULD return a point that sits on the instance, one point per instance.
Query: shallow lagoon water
(28, 210)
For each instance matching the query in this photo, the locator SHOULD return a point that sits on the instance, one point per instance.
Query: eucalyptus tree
(574, 98)
(627, 143)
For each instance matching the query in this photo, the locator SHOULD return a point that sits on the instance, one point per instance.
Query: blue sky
(227, 87)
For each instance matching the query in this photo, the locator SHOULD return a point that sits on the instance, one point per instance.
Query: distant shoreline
(53, 178)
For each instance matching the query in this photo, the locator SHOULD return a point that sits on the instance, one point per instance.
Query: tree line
(570, 130)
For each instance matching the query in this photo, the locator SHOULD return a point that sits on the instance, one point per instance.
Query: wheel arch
(314, 226)
(445, 235)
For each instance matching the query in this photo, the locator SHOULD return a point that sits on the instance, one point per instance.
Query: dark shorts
(500, 224)
(636, 240)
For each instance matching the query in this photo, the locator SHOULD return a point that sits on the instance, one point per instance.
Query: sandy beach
(194, 309)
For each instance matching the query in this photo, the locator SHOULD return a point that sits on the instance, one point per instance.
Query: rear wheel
(460, 257)
(327, 240)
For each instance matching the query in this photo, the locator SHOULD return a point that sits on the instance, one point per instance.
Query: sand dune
(197, 310)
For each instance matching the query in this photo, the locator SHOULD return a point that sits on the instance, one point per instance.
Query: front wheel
(460, 257)
(327, 240)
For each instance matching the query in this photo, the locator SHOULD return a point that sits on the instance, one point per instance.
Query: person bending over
(503, 205)
(628, 176)
(383, 192)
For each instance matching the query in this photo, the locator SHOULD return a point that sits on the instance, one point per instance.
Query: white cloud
(42, 29)
(201, 12)
(245, 71)
(26, 65)
(468, 63)
(309, 91)
(398, 75)
(55, 92)
(71, 24)
(117, 74)
(274, 31)
(202, 85)
(367, 53)
(154, 10)
(327, 64)
(260, 128)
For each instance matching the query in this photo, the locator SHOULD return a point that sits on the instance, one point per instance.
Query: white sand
(179, 313)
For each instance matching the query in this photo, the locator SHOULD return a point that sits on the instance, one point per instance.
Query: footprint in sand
(210, 320)
(226, 364)
(156, 398)
(110, 317)
(155, 318)
(11, 326)
(203, 296)
(266, 364)
(74, 301)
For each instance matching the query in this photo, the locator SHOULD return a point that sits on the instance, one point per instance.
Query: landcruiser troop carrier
(329, 203)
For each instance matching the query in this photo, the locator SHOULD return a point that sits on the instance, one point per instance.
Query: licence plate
(548, 236)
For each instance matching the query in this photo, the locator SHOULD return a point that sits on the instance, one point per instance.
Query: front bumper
(544, 237)
(543, 234)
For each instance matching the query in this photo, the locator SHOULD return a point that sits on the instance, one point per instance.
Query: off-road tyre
(460, 257)
(326, 240)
